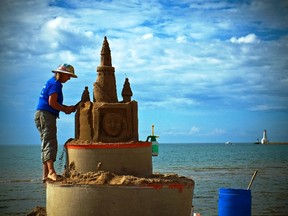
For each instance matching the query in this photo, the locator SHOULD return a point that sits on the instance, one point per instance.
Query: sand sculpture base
(110, 174)
(132, 158)
(153, 199)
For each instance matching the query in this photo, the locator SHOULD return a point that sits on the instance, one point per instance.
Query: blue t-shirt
(49, 88)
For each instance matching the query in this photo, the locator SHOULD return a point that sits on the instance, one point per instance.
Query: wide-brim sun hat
(65, 68)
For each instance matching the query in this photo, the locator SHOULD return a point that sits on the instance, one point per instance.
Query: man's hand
(69, 109)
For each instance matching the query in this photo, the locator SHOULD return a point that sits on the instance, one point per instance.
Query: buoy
(155, 144)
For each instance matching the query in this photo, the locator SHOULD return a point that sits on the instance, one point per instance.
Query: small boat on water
(228, 143)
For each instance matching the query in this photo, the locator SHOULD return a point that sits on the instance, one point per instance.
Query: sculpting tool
(252, 179)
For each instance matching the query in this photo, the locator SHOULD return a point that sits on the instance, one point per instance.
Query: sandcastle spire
(85, 95)
(105, 85)
(105, 54)
(126, 91)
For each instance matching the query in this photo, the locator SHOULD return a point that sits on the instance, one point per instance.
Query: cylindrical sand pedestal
(120, 158)
(114, 200)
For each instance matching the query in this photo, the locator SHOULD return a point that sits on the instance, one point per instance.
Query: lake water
(211, 166)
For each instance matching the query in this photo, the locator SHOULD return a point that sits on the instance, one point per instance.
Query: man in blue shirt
(49, 106)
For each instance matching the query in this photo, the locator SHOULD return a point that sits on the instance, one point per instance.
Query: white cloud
(181, 39)
(217, 132)
(265, 107)
(175, 57)
(89, 34)
(147, 36)
(194, 130)
(250, 38)
(67, 56)
(207, 132)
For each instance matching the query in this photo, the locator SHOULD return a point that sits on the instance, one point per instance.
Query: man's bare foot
(52, 176)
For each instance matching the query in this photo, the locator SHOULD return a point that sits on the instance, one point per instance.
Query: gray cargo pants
(46, 125)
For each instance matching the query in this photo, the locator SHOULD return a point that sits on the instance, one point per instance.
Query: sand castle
(109, 171)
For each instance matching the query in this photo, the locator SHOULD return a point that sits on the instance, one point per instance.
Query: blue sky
(201, 71)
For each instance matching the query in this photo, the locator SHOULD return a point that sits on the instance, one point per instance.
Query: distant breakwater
(276, 143)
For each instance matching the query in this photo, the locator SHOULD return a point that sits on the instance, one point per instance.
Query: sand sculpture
(109, 171)
(107, 119)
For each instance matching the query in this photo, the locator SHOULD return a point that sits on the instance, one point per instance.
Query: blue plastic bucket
(234, 202)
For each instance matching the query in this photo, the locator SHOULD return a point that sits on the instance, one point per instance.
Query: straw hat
(65, 68)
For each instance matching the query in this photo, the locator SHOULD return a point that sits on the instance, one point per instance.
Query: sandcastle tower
(106, 146)
(105, 119)
(105, 86)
